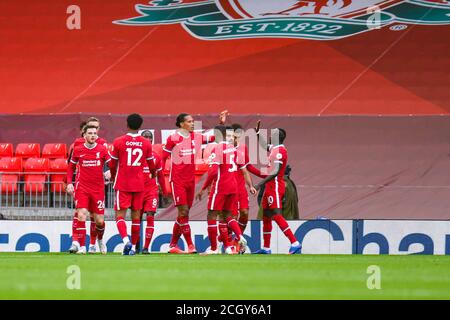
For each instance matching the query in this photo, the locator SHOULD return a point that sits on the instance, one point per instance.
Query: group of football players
(137, 177)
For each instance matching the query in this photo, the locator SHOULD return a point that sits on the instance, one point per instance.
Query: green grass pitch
(185, 277)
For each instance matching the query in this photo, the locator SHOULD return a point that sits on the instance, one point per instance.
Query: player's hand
(199, 195)
(253, 191)
(257, 187)
(107, 175)
(258, 126)
(70, 189)
(223, 116)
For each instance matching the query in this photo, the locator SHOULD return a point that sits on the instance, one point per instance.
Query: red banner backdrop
(106, 67)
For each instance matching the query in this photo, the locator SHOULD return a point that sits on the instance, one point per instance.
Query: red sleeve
(149, 156)
(102, 142)
(106, 157)
(253, 170)
(162, 182)
(212, 175)
(168, 148)
(114, 154)
(72, 165)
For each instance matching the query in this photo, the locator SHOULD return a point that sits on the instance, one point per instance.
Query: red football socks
(93, 232)
(75, 226)
(267, 231)
(100, 231)
(279, 219)
(223, 230)
(212, 233)
(234, 226)
(149, 230)
(186, 229)
(135, 229)
(176, 234)
(81, 231)
(243, 222)
(122, 227)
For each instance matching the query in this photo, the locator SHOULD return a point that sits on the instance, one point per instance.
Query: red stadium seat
(54, 150)
(158, 149)
(28, 150)
(58, 170)
(35, 183)
(10, 169)
(6, 150)
(38, 165)
(36, 170)
(11, 165)
(9, 183)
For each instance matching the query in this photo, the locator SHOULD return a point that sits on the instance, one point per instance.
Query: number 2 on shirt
(134, 152)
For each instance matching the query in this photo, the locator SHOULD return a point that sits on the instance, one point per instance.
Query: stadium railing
(43, 200)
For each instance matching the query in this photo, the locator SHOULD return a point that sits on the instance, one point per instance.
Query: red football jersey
(80, 141)
(132, 152)
(149, 181)
(182, 150)
(278, 154)
(224, 155)
(242, 162)
(89, 162)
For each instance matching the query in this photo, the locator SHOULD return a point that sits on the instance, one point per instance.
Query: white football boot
(102, 246)
(242, 245)
(82, 250)
(92, 249)
(74, 247)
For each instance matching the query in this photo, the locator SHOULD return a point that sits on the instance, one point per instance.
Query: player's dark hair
(222, 130)
(147, 134)
(236, 126)
(92, 119)
(82, 124)
(86, 127)
(134, 121)
(282, 135)
(180, 118)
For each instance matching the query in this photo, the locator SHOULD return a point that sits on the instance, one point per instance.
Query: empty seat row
(33, 150)
(35, 173)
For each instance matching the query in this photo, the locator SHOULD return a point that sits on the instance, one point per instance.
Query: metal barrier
(43, 200)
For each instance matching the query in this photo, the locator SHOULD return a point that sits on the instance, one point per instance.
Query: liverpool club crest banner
(307, 19)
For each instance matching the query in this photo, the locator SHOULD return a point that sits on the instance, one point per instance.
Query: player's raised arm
(262, 142)
(274, 171)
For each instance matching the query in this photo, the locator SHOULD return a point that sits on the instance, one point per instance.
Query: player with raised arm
(89, 191)
(273, 179)
(182, 147)
(131, 153)
(151, 194)
(223, 193)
